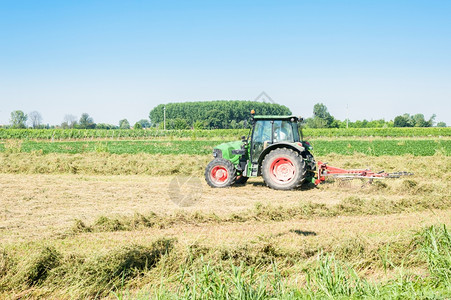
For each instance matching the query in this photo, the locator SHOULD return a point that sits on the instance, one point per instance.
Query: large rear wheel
(220, 173)
(283, 169)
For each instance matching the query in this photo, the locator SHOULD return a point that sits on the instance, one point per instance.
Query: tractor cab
(270, 130)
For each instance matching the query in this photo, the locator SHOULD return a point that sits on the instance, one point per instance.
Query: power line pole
(164, 117)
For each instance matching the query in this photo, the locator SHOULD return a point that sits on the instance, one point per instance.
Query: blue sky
(119, 59)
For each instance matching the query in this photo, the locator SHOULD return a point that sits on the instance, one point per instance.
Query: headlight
(217, 153)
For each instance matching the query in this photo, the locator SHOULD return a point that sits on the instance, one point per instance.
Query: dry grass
(99, 223)
(51, 203)
(101, 164)
(165, 165)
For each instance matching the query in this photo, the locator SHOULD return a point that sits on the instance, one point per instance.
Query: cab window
(283, 131)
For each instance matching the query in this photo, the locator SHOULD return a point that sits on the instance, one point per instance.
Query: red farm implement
(325, 171)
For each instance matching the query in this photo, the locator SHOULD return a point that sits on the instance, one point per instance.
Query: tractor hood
(225, 150)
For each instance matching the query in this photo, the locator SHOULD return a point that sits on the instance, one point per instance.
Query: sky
(119, 59)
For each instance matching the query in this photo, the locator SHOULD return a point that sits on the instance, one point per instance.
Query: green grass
(417, 147)
(163, 271)
(326, 278)
(116, 147)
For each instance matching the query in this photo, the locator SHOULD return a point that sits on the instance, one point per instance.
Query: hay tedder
(276, 150)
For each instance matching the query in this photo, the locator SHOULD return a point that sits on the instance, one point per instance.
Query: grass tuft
(36, 268)
(100, 274)
(108, 224)
(436, 246)
(79, 227)
(5, 265)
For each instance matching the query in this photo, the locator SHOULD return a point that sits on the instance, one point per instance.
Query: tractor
(274, 149)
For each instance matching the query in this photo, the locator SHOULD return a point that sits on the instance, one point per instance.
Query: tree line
(217, 115)
(20, 120)
(323, 119)
(211, 114)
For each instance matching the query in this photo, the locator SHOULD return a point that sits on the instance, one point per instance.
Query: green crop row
(380, 132)
(424, 147)
(417, 147)
(62, 134)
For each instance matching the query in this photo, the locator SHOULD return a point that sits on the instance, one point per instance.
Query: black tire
(310, 161)
(220, 173)
(310, 166)
(240, 179)
(283, 169)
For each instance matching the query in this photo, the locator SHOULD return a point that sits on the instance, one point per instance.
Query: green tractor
(275, 149)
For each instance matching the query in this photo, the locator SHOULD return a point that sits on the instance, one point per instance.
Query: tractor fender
(294, 146)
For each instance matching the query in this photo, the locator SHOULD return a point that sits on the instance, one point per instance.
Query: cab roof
(276, 118)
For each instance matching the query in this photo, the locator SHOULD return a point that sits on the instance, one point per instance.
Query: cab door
(261, 137)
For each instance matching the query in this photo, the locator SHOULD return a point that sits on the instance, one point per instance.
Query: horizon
(116, 60)
(148, 119)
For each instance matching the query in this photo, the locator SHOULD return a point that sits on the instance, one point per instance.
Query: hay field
(106, 225)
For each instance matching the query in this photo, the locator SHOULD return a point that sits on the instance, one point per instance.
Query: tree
(441, 124)
(18, 119)
(215, 118)
(316, 122)
(199, 125)
(144, 123)
(35, 119)
(69, 121)
(321, 118)
(320, 111)
(105, 126)
(86, 122)
(431, 121)
(124, 124)
(137, 126)
(416, 120)
(401, 121)
(180, 123)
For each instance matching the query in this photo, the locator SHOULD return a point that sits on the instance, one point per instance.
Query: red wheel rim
(282, 170)
(219, 174)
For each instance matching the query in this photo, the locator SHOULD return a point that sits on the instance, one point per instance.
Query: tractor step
(254, 170)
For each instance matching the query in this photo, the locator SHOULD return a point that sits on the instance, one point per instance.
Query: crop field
(52, 134)
(127, 218)
(373, 147)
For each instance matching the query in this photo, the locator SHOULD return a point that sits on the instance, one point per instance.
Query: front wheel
(220, 173)
(283, 169)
